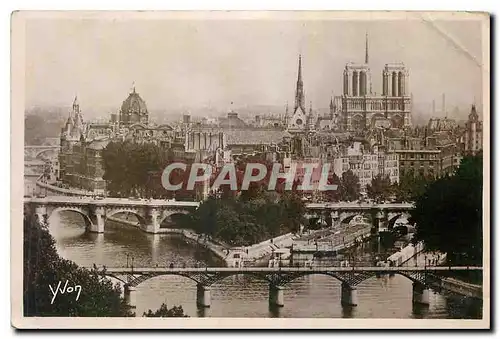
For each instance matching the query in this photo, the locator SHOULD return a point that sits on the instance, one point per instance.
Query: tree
(448, 215)
(350, 188)
(294, 210)
(43, 268)
(411, 186)
(248, 219)
(135, 169)
(333, 195)
(380, 188)
(165, 312)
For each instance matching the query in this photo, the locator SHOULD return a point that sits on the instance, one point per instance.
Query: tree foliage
(135, 169)
(350, 187)
(165, 312)
(380, 188)
(333, 195)
(448, 214)
(248, 219)
(411, 186)
(43, 268)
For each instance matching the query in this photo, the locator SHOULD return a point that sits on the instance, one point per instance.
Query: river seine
(239, 296)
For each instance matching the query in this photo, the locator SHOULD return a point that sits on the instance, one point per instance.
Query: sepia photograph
(284, 169)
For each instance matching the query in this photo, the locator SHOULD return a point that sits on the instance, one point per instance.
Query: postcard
(235, 169)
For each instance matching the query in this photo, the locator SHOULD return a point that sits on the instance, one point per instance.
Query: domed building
(134, 110)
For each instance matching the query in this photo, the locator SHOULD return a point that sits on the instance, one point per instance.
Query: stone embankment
(415, 255)
(332, 241)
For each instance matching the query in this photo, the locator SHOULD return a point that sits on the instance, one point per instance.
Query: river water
(239, 296)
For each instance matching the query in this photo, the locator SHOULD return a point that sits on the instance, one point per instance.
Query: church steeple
(299, 92)
(473, 116)
(76, 106)
(332, 107)
(366, 48)
(286, 114)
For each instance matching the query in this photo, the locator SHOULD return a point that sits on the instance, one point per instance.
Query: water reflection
(241, 295)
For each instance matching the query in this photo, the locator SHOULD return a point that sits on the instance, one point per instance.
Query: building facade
(366, 163)
(82, 144)
(362, 109)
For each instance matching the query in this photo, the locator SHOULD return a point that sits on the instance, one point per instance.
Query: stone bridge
(41, 151)
(423, 278)
(382, 216)
(150, 213)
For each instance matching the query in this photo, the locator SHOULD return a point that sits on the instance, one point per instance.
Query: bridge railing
(145, 270)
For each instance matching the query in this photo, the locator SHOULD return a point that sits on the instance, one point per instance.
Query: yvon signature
(65, 289)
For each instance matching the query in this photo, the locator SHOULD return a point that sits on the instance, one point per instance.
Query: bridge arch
(135, 281)
(114, 212)
(347, 217)
(395, 217)
(171, 215)
(58, 210)
(45, 154)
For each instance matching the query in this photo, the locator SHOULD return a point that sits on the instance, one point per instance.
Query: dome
(134, 104)
(134, 109)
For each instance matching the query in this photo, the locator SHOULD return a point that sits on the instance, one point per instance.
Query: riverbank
(332, 240)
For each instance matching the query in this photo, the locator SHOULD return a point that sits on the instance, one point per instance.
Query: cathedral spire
(332, 107)
(299, 92)
(366, 48)
(76, 106)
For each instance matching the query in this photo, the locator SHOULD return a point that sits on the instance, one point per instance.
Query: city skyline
(212, 66)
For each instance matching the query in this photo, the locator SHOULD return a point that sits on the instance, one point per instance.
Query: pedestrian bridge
(150, 213)
(423, 278)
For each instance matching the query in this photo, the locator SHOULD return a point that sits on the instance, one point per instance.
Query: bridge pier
(41, 213)
(129, 293)
(98, 219)
(420, 294)
(203, 297)
(276, 295)
(335, 218)
(379, 221)
(152, 223)
(348, 295)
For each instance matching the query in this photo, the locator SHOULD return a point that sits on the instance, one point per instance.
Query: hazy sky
(194, 63)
